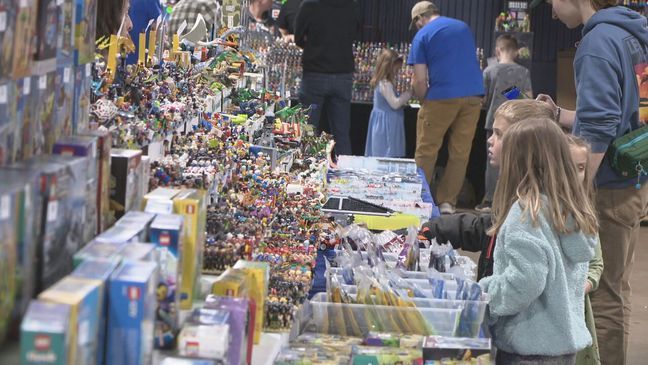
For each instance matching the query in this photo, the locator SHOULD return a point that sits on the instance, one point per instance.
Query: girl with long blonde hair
(546, 231)
(386, 134)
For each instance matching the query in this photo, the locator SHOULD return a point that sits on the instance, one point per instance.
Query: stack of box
(45, 334)
(24, 36)
(242, 313)
(206, 335)
(43, 99)
(136, 251)
(259, 277)
(166, 235)
(132, 314)
(8, 257)
(99, 250)
(125, 175)
(85, 298)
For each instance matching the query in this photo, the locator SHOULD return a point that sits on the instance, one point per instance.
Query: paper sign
(66, 75)
(5, 207)
(23, 3)
(27, 86)
(3, 94)
(3, 21)
(42, 82)
(88, 69)
(52, 211)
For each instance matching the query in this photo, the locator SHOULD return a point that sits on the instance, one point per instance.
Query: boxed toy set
(104, 143)
(138, 252)
(26, 13)
(85, 298)
(99, 269)
(206, 335)
(166, 235)
(66, 33)
(86, 147)
(159, 201)
(125, 185)
(7, 26)
(44, 97)
(105, 250)
(132, 314)
(139, 222)
(64, 100)
(86, 29)
(192, 205)
(24, 114)
(8, 257)
(81, 101)
(45, 334)
(46, 37)
(241, 326)
(259, 278)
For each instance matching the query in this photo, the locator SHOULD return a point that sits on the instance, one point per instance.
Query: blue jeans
(330, 92)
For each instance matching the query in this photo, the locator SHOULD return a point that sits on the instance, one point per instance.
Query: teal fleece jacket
(537, 289)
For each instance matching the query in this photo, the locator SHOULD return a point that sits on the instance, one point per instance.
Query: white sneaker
(447, 208)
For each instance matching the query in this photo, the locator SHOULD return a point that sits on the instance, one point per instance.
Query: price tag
(3, 21)
(27, 86)
(5, 207)
(42, 82)
(59, 2)
(3, 94)
(52, 211)
(23, 3)
(88, 69)
(66, 75)
(27, 197)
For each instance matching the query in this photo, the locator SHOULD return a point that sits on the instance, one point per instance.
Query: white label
(27, 86)
(230, 22)
(42, 82)
(23, 3)
(88, 69)
(27, 197)
(3, 21)
(3, 94)
(66, 75)
(59, 2)
(5, 206)
(52, 211)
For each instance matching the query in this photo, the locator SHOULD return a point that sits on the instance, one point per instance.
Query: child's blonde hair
(385, 66)
(537, 164)
(589, 179)
(513, 111)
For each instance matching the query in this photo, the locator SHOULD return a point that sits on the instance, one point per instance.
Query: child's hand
(588, 287)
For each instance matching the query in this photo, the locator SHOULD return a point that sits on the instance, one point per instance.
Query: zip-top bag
(628, 155)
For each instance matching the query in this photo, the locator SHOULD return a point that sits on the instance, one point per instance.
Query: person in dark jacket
(326, 30)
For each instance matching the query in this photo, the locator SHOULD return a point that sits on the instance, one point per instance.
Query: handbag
(628, 154)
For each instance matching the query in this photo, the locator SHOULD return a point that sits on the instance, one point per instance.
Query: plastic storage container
(360, 319)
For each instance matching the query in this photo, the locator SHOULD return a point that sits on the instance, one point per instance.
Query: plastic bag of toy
(442, 257)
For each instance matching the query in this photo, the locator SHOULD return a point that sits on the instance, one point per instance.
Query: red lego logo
(42, 342)
(134, 293)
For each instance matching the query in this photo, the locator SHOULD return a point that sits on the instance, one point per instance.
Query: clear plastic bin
(360, 319)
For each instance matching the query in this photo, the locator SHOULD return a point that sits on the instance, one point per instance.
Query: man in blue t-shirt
(448, 81)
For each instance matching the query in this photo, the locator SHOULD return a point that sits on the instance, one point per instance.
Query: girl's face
(567, 11)
(579, 156)
(500, 125)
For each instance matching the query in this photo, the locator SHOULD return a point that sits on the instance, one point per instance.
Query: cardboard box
(46, 37)
(24, 37)
(138, 252)
(86, 147)
(210, 340)
(86, 29)
(241, 322)
(23, 185)
(166, 235)
(99, 269)
(85, 298)
(132, 313)
(7, 25)
(259, 276)
(45, 333)
(62, 203)
(139, 222)
(44, 97)
(22, 98)
(99, 250)
(7, 122)
(64, 100)
(160, 201)
(8, 255)
(192, 205)
(125, 180)
(81, 102)
(104, 144)
(232, 283)
(66, 33)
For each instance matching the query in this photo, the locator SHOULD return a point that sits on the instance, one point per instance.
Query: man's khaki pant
(620, 212)
(436, 117)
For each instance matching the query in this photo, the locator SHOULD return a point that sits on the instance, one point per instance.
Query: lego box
(259, 276)
(125, 180)
(8, 257)
(160, 201)
(66, 32)
(104, 143)
(132, 314)
(43, 96)
(45, 333)
(7, 26)
(166, 235)
(85, 298)
(24, 38)
(138, 252)
(64, 100)
(81, 102)
(191, 204)
(46, 37)
(22, 98)
(99, 269)
(86, 29)
(95, 250)
(141, 221)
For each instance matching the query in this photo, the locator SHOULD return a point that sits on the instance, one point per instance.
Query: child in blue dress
(386, 134)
